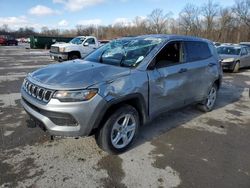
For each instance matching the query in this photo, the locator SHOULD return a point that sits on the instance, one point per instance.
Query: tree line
(211, 20)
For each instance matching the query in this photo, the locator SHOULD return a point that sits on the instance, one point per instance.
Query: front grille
(54, 49)
(37, 92)
(58, 118)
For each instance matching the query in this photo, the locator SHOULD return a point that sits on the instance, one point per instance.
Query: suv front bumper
(85, 114)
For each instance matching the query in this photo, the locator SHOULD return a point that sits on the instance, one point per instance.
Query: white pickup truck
(78, 47)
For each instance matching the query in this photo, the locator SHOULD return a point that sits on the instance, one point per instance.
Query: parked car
(245, 44)
(234, 57)
(216, 44)
(23, 40)
(121, 86)
(8, 40)
(2, 40)
(77, 48)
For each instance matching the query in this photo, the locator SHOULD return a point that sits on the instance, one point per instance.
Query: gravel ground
(184, 148)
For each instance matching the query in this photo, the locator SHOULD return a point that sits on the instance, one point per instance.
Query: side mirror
(86, 44)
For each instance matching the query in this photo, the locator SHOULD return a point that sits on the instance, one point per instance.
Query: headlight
(62, 49)
(75, 96)
(228, 60)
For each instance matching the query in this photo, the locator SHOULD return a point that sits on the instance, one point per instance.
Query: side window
(171, 54)
(197, 51)
(90, 41)
(243, 51)
(248, 50)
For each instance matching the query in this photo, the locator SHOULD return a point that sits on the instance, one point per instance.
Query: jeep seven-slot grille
(35, 91)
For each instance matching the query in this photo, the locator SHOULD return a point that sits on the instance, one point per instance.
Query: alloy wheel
(123, 131)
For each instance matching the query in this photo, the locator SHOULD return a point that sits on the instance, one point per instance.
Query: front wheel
(119, 131)
(208, 104)
(236, 67)
(73, 56)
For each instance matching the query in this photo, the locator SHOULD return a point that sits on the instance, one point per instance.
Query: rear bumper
(59, 56)
(85, 114)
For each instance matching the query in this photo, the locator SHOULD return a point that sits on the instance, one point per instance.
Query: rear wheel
(208, 104)
(119, 131)
(236, 67)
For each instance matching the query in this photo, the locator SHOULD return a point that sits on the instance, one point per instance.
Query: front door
(88, 48)
(167, 79)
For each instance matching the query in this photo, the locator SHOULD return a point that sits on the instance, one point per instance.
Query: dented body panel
(156, 90)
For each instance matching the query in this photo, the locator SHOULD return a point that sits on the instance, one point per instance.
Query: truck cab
(77, 48)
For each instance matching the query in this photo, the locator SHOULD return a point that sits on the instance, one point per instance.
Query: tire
(119, 131)
(208, 104)
(236, 67)
(73, 56)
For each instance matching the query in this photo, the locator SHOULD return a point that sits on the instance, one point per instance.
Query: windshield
(127, 52)
(77, 40)
(228, 50)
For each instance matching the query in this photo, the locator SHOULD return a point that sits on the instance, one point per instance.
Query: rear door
(202, 70)
(168, 79)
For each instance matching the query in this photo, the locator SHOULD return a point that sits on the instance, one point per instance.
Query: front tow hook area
(31, 123)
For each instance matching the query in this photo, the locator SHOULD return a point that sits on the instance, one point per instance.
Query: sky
(66, 14)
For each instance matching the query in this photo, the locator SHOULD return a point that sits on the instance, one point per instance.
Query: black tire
(236, 67)
(206, 106)
(73, 56)
(105, 134)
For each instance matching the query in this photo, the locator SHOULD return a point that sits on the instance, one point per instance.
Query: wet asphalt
(183, 148)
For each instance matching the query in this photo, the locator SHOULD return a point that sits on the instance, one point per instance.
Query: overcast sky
(65, 14)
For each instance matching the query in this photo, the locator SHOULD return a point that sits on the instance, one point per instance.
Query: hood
(224, 56)
(77, 74)
(64, 45)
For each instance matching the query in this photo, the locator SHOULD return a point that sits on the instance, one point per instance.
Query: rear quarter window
(196, 51)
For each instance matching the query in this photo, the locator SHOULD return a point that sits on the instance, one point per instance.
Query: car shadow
(240, 79)
(171, 120)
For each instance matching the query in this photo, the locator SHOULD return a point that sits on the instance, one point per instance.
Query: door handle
(211, 64)
(182, 70)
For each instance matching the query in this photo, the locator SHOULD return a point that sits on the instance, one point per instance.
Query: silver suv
(121, 86)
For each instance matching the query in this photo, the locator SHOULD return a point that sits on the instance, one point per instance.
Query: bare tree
(225, 25)
(85, 30)
(4, 29)
(242, 10)
(141, 26)
(190, 19)
(158, 20)
(210, 11)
